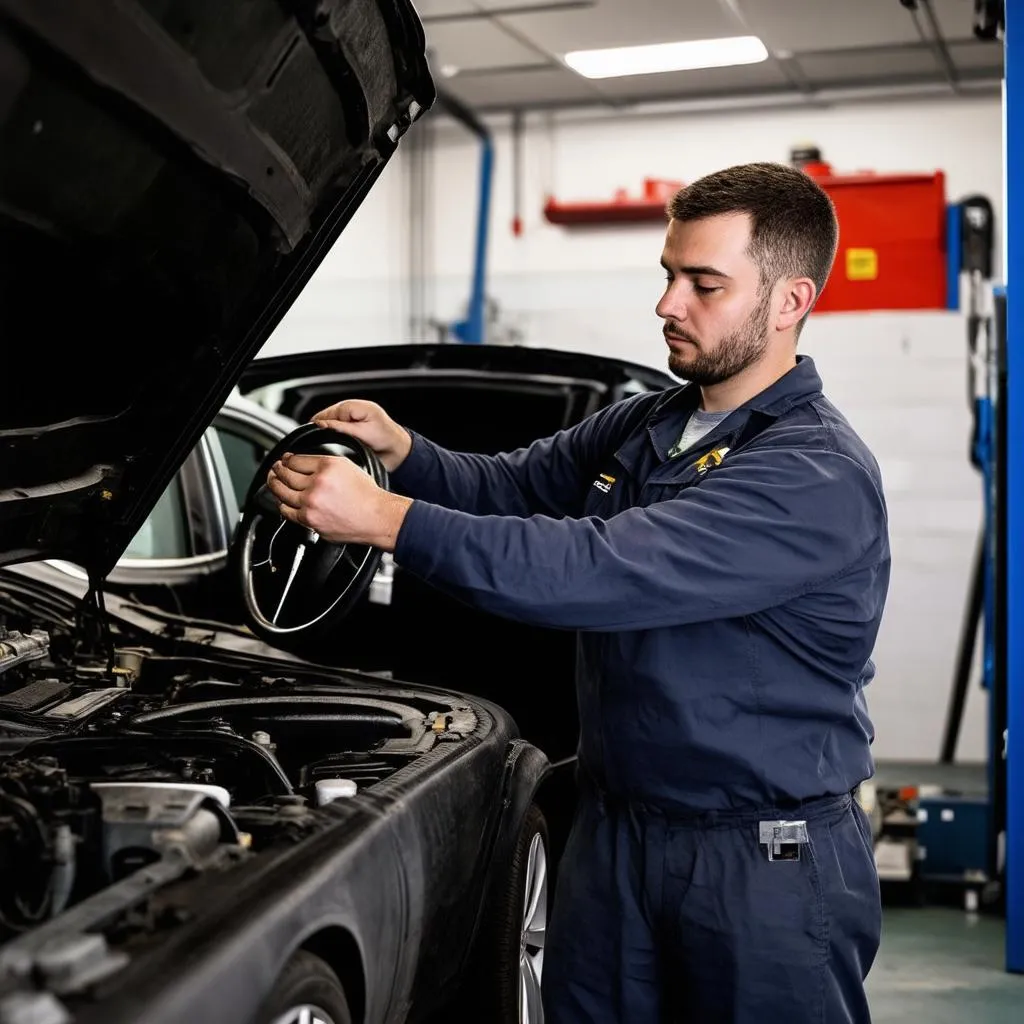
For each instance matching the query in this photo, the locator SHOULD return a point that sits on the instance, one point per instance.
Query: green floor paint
(942, 966)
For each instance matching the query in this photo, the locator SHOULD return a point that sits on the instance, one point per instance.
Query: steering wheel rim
(262, 529)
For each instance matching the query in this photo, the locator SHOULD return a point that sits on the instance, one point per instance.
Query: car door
(178, 561)
(181, 544)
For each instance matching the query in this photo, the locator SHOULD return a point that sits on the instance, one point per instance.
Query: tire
(503, 958)
(306, 983)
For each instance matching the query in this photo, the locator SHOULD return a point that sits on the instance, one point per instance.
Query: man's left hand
(336, 498)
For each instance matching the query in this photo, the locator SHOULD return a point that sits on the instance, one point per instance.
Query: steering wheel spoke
(294, 583)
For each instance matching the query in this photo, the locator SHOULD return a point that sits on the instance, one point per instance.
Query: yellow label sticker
(712, 459)
(861, 264)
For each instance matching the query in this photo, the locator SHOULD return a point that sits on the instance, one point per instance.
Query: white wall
(358, 294)
(899, 377)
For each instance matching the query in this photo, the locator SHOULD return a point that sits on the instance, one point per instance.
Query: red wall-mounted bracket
(622, 209)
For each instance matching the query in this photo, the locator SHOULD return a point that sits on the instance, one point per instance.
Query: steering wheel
(295, 585)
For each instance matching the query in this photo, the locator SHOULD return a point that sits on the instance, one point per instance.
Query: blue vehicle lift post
(471, 330)
(1014, 554)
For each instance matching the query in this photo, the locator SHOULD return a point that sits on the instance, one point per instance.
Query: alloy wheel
(305, 1014)
(535, 920)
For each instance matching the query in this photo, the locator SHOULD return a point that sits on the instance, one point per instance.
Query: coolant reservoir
(331, 789)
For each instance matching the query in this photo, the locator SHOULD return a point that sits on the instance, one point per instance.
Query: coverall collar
(799, 385)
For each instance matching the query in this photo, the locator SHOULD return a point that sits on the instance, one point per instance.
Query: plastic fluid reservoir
(330, 789)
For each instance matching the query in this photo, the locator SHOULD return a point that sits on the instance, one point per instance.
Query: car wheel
(513, 937)
(307, 992)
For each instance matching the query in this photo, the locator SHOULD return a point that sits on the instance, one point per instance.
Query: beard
(733, 353)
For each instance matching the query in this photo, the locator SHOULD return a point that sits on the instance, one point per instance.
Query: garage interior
(560, 255)
(525, 212)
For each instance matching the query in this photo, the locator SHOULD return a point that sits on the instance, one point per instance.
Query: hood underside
(173, 172)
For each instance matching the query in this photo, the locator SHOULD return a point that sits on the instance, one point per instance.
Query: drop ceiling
(498, 55)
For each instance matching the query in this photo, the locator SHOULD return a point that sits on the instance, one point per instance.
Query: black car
(476, 398)
(195, 824)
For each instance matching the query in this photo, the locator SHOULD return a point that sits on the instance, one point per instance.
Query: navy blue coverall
(727, 609)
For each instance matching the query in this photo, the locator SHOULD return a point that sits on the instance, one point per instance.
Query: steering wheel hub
(294, 583)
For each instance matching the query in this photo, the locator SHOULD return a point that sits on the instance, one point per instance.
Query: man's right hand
(368, 422)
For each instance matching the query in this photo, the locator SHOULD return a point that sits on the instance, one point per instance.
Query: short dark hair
(794, 231)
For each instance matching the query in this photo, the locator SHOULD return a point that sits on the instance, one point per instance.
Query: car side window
(187, 520)
(165, 532)
(243, 456)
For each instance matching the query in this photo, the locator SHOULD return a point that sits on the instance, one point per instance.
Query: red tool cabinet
(892, 242)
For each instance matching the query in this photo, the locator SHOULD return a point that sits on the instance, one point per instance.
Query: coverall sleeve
(764, 527)
(549, 477)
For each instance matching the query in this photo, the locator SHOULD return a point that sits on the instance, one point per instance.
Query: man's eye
(701, 289)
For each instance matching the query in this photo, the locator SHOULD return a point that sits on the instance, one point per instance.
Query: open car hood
(483, 398)
(173, 172)
(376, 361)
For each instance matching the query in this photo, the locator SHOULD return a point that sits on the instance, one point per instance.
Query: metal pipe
(1012, 555)
(935, 40)
(475, 14)
(471, 330)
(965, 655)
(517, 173)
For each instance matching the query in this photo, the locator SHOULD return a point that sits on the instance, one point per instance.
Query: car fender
(526, 768)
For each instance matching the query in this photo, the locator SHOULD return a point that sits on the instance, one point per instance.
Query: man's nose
(671, 306)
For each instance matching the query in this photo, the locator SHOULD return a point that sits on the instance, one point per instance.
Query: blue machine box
(952, 838)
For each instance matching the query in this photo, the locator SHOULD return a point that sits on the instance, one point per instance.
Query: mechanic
(722, 548)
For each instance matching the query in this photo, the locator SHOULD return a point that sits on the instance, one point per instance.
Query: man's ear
(798, 295)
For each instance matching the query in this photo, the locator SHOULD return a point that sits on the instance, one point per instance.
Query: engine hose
(25, 813)
(63, 880)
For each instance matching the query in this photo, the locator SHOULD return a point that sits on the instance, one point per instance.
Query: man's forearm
(393, 458)
(388, 521)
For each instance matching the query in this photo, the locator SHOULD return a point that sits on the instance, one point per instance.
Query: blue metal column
(1014, 172)
(475, 332)
(471, 330)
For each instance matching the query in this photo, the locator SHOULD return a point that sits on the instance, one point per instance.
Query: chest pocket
(636, 477)
(619, 478)
(629, 482)
(685, 471)
(614, 489)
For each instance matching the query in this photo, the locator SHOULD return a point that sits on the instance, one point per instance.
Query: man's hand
(336, 498)
(373, 426)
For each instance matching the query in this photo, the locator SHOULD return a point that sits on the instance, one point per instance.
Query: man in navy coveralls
(722, 549)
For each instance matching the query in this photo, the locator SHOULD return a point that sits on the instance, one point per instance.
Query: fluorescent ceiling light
(661, 57)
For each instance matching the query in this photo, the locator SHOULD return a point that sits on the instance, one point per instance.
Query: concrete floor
(937, 964)
(942, 966)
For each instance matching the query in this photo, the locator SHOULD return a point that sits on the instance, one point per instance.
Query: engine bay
(128, 763)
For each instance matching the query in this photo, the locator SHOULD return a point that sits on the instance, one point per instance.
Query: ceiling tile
(681, 85)
(524, 89)
(825, 35)
(436, 8)
(627, 23)
(828, 24)
(955, 17)
(978, 56)
(476, 44)
(873, 66)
